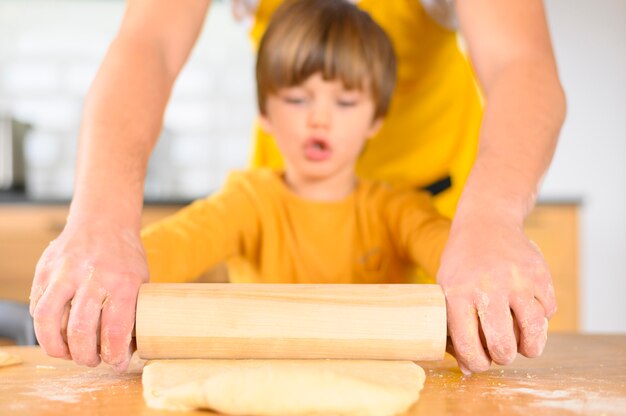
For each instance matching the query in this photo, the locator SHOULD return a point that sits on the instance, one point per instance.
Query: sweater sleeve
(181, 247)
(420, 233)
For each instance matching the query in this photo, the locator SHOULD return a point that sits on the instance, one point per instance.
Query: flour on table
(285, 387)
(7, 359)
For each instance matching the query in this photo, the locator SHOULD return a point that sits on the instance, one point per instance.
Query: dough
(284, 387)
(7, 359)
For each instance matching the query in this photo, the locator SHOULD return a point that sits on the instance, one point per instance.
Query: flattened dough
(284, 387)
(7, 359)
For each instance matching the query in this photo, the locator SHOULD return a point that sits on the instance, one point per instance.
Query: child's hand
(494, 277)
(84, 293)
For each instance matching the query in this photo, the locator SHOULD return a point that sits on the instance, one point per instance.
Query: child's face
(320, 126)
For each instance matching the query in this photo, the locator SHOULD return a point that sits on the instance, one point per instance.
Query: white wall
(49, 54)
(590, 163)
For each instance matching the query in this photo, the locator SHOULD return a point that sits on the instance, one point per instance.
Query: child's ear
(265, 124)
(375, 127)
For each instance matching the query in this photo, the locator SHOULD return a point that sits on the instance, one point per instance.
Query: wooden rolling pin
(296, 321)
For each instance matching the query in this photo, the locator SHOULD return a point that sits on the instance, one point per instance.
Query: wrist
(489, 209)
(494, 200)
(100, 210)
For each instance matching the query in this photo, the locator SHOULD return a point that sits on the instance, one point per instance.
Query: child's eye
(346, 103)
(348, 99)
(294, 100)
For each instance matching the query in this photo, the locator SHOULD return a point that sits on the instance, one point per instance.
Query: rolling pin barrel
(291, 321)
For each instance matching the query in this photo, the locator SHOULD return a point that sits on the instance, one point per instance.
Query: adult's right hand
(85, 290)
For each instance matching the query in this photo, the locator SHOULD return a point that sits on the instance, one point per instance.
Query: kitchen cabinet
(26, 229)
(554, 228)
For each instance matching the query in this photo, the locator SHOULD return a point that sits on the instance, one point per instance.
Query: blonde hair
(333, 37)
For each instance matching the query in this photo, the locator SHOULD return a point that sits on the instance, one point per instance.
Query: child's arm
(420, 232)
(183, 246)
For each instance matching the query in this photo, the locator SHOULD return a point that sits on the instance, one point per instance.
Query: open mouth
(317, 149)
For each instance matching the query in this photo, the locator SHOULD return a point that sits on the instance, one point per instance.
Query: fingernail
(122, 366)
(464, 370)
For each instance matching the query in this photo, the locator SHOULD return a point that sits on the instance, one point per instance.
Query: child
(325, 75)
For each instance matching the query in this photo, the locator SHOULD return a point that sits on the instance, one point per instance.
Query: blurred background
(49, 54)
(50, 51)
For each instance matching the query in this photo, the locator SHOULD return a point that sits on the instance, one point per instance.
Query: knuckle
(464, 350)
(114, 344)
(533, 347)
(78, 332)
(520, 298)
(534, 326)
(114, 339)
(542, 273)
(53, 349)
(504, 354)
(92, 360)
(532, 351)
(502, 348)
(123, 297)
(43, 315)
(553, 310)
(85, 358)
(480, 366)
(44, 261)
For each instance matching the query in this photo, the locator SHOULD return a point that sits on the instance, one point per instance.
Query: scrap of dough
(283, 387)
(7, 359)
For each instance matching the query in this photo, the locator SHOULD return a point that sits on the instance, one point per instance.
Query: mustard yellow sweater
(374, 235)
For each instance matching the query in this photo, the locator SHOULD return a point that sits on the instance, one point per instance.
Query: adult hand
(494, 279)
(93, 270)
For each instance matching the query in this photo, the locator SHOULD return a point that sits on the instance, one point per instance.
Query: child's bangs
(335, 51)
(330, 37)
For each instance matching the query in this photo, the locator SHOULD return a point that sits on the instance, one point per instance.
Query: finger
(544, 292)
(64, 320)
(533, 325)
(36, 292)
(464, 331)
(47, 318)
(497, 325)
(40, 281)
(124, 365)
(450, 347)
(118, 320)
(82, 326)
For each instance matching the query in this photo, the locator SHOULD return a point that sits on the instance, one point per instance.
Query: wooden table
(577, 374)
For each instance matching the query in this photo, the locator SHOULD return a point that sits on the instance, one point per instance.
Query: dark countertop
(20, 197)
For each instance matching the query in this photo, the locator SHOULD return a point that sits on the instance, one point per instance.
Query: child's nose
(320, 115)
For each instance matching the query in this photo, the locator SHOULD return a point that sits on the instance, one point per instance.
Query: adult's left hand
(494, 277)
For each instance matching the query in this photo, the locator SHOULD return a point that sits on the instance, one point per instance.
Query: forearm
(121, 122)
(524, 111)
(492, 275)
(97, 264)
